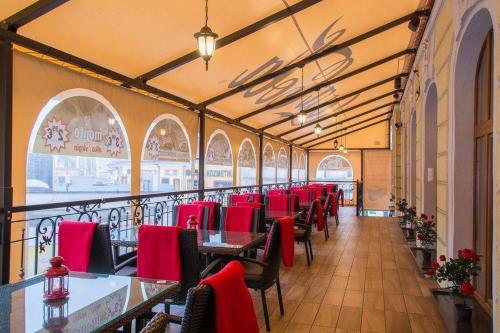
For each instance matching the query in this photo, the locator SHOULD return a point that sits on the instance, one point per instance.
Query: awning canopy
(349, 53)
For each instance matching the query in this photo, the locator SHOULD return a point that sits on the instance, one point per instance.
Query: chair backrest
(278, 202)
(261, 226)
(273, 254)
(158, 324)
(313, 209)
(190, 262)
(199, 313)
(213, 213)
(182, 212)
(101, 255)
(328, 205)
(236, 218)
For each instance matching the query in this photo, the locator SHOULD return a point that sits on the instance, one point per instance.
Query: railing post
(6, 65)
(307, 166)
(261, 160)
(201, 156)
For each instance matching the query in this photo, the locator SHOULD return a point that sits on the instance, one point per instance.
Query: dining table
(96, 303)
(231, 243)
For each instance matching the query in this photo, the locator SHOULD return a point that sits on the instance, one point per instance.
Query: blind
(377, 166)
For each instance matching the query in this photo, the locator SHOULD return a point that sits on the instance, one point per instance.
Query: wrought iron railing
(34, 227)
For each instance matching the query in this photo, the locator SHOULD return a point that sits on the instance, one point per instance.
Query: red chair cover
(250, 204)
(185, 210)
(274, 192)
(303, 196)
(211, 214)
(294, 206)
(319, 213)
(287, 241)
(341, 194)
(234, 311)
(334, 208)
(278, 205)
(75, 244)
(253, 197)
(330, 188)
(239, 218)
(158, 254)
(234, 198)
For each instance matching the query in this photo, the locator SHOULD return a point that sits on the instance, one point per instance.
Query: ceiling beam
(391, 93)
(327, 83)
(231, 38)
(344, 120)
(31, 13)
(318, 55)
(350, 132)
(337, 99)
(126, 81)
(350, 126)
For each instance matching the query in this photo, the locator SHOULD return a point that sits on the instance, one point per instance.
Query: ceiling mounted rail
(316, 56)
(231, 38)
(350, 126)
(31, 13)
(337, 99)
(342, 111)
(327, 83)
(350, 132)
(344, 120)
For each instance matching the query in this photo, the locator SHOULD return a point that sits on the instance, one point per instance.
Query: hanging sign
(167, 142)
(81, 126)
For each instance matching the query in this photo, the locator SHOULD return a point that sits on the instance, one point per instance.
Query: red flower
(442, 257)
(424, 216)
(420, 236)
(468, 254)
(435, 265)
(467, 289)
(430, 272)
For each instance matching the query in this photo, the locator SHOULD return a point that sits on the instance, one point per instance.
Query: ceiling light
(163, 132)
(302, 116)
(317, 130)
(341, 148)
(206, 39)
(335, 144)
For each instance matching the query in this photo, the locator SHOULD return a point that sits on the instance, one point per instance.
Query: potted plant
(426, 234)
(402, 207)
(458, 274)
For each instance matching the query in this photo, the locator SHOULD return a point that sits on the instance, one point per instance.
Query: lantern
(55, 314)
(317, 130)
(56, 282)
(301, 117)
(192, 222)
(206, 40)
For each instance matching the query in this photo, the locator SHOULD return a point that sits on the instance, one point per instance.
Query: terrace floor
(363, 279)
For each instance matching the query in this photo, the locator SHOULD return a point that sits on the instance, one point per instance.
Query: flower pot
(464, 312)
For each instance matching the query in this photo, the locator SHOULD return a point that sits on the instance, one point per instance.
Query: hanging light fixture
(317, 128)
(206, 39)
(335, 144)
(302, 116)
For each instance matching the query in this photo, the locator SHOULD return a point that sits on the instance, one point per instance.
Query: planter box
(481, 321)
(418, 255)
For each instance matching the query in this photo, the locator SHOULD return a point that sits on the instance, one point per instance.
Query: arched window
(282, 170)
(166, 157)
(218, 161)
(78, 147)
(269, 165)
(247, 164)
(302, 166)
(295, 166)
(334, 168)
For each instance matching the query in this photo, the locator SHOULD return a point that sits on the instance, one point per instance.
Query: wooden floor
(363, 279)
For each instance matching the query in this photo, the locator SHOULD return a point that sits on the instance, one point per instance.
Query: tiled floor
(363, 279)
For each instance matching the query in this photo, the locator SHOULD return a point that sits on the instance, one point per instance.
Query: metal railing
(34, 227)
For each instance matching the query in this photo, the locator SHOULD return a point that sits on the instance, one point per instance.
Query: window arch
(218, 161)
(166, 156)
(78, 146)
(334, 168)
(282, 169)
(247, 164)
(269, 165)
(302, 166)
(295, 166)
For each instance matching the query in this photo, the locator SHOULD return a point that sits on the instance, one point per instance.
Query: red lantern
(192, 222)
(56, 282)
